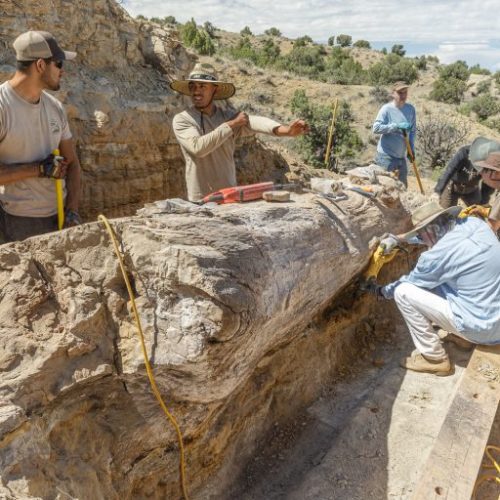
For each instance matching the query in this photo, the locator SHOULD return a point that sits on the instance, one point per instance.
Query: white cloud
(403, 21)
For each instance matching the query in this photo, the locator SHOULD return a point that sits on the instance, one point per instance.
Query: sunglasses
(58, 64)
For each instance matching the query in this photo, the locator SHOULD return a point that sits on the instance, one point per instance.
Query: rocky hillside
(118, 100)
(267, 90)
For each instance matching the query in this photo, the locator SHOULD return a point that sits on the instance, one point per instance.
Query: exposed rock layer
(231, 299)
(118, 100)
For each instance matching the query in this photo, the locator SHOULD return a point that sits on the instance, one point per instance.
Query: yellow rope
(488, 477)
(149, 371)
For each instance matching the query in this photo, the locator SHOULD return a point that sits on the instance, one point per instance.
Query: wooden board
(453, 464)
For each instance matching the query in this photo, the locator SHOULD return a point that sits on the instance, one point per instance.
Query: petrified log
(227, 296)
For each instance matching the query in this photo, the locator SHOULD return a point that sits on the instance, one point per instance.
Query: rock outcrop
(118, 101)
(236, 306)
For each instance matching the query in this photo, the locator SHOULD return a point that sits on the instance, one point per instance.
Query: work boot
(419, 363)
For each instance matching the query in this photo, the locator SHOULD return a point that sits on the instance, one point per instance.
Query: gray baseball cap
(480, 149)
(34, 45)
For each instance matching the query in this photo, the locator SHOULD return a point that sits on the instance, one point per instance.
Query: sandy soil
(366, 438)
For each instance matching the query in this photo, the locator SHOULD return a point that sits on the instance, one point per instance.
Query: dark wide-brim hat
(204, 72)
(426, 214)
(492, 162)
(480, 149)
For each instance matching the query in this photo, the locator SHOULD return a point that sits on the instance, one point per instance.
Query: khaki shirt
(208, 143)
(29, 133)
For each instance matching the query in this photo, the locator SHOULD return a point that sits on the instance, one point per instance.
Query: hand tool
(248, 192)
(59, 195)
(413, 161)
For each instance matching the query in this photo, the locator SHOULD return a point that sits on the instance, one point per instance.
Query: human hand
(388, 243)
(53, 167)
(372, 288)
(71, 218)
(404, 126)
(239, 120)
(297, 127)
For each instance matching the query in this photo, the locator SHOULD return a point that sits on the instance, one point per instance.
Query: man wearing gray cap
(33, 124)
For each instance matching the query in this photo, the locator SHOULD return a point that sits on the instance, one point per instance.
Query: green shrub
(477, 70)
(485, 106)
(313, 145)
(331, 41)
(209, 28)
(421, 63)
(451, 84)
(398, 50)
(380, 95)
(246, 31)
(169, 20)
(450, 90)
(483, 87)
(458, 70)
(302, 60)
(344, 40)
(273, 32)
(362, 44)
(392, 69)
(198, 39)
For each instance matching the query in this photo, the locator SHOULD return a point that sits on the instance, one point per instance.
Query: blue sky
(451, 30)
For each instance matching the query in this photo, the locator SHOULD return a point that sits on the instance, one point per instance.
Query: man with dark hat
(207, 132)
(394, 121)
(490, 170)
(455, 284)
(32, 125)
(461, 180)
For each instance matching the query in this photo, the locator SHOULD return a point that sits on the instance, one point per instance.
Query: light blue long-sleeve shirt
(391, 140)
(464, 268)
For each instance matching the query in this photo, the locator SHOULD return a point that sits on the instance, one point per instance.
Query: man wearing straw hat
(207, 132)
(455, 284)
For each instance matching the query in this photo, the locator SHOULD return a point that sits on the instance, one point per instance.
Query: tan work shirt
(29, 133)
(208, 144)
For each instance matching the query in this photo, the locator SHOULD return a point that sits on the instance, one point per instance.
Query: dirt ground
(367, 437)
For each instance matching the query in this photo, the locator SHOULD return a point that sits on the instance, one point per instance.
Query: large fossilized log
(226, 296)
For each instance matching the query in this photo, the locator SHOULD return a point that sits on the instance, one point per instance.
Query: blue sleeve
(413, 130)
(428, 273)
(382, 124)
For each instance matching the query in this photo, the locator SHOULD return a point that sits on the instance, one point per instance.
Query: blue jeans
(390, 164)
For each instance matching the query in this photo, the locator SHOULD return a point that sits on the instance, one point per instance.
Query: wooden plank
(455, 459)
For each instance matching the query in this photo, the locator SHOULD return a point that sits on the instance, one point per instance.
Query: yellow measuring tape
(149, 371)
(488, 477)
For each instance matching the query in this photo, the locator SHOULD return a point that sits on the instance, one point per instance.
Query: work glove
(388, 243)
(404, 126)
(372, 288)
(476, 210)
(71, 218)
(53, 167)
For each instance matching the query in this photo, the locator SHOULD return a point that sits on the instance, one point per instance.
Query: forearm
(383, 128)
(202, 145)
(73, 185)
(18, 172)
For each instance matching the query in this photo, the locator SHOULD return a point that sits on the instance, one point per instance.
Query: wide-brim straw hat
(426, 214)
(204, 72)
(479, 150)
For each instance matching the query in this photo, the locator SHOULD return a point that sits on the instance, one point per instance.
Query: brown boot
(419, 363)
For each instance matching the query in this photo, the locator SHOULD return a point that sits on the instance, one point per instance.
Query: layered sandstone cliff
(118, 100)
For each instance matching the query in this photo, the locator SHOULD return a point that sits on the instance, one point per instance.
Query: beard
(49, 83)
